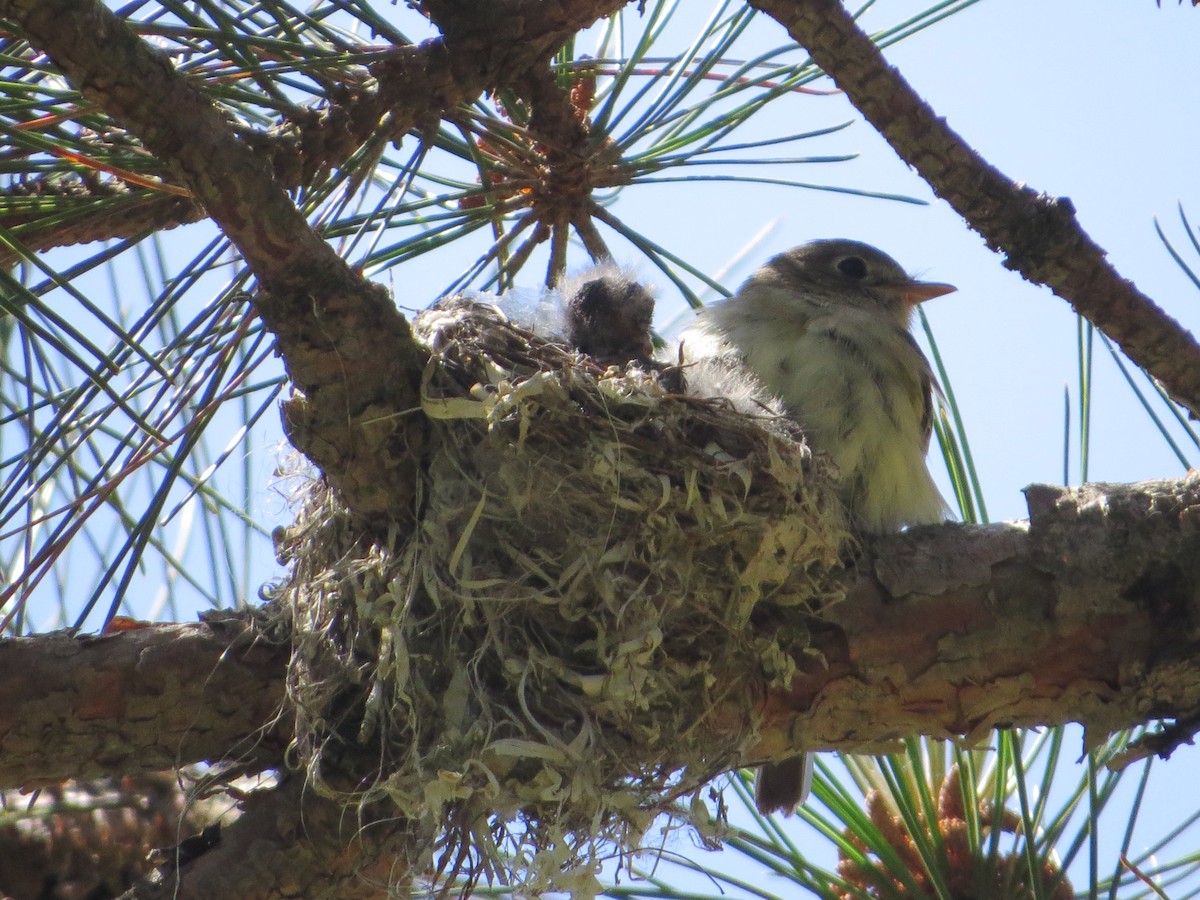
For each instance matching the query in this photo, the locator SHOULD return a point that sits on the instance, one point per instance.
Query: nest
(567, 644)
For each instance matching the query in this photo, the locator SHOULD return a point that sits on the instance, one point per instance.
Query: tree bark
(159, 697)
(347, 350)
(289, 842)
(1089, 613)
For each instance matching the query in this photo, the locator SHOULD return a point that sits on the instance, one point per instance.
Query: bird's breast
(858, 385)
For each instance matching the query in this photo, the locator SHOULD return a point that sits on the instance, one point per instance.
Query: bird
(825, 328)
(608, 312)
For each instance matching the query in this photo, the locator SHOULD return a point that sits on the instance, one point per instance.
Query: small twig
(586, 229)
(1161, 743)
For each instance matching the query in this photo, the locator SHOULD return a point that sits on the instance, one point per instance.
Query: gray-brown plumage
(608, 317)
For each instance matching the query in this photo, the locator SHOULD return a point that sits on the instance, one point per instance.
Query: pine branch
(153, 698)
(1086, 614)
(410, 87)
(150, 211)
(344, 344)
(346, 348)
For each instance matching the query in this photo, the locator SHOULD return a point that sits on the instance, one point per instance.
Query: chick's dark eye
(853, 266)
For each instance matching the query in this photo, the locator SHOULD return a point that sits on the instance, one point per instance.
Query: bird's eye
(853, 266)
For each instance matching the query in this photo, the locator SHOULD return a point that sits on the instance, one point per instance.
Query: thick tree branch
(346, 348)
(112, 67)
(1040, 236)
(155, 698)
(1090, 614)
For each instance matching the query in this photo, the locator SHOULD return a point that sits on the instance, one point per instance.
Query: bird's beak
(914, 292)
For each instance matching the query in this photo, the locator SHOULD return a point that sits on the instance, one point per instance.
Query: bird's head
(845, 271)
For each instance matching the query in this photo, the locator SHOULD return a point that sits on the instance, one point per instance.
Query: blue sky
(1096, 102)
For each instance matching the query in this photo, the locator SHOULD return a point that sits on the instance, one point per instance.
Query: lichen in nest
(575, 636)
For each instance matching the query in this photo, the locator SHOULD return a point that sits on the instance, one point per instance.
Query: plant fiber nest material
(561, 648)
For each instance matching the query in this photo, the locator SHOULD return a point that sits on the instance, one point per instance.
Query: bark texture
(288, 842)
(344, 344)
(347, 350)
(1089, 612)
(159, 697)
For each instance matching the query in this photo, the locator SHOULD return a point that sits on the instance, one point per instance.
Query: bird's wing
(929, 386)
